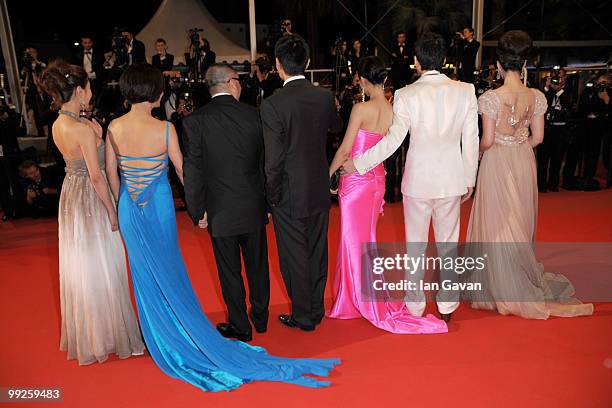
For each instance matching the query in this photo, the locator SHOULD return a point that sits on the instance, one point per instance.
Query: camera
(602, 87)
(27, 59)
(194, 36)
(555, 76)
(119, 47)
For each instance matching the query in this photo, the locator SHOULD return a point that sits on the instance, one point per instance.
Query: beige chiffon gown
(504, 217)
(97, 313)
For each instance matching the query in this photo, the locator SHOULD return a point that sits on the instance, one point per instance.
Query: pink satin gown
(361, 201)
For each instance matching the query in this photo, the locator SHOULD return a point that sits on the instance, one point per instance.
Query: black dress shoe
(229, 331)
(446, 317)
(288, 321)
(261, 330)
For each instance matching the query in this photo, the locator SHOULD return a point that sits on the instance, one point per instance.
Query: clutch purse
(334, 180)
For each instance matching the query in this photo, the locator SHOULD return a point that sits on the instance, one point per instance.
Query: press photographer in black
(200, 56)
(135, 48)
(467, 49)
(551, 151)
(260, 83)
(594, 114)
(42, 188)
(10, 188)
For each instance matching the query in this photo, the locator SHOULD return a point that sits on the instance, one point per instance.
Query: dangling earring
(498, 75)
(524, 75)
(83, 111)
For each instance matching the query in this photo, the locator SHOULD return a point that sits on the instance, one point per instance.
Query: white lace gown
(504, 217)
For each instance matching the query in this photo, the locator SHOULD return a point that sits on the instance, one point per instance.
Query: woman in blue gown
(179, 337)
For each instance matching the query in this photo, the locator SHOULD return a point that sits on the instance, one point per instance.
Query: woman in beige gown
(97, 313)
(504, 213)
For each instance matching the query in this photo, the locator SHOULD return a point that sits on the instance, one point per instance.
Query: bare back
(68, 136)
(142, 136)
(376, 116)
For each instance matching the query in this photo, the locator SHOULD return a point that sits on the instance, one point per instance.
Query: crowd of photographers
(577, 123)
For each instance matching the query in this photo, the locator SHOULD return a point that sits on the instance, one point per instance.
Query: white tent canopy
(172, 20)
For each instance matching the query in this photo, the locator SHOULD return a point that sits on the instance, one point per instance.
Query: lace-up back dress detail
(141, 174)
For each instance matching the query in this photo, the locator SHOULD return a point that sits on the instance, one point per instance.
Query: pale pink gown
(361, 201)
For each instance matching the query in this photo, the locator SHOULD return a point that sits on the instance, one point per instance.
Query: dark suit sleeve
(139, 52)
(274, 148)
(194, 168)
(336, 122)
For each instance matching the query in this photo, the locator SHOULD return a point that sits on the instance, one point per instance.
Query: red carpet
(485, 360)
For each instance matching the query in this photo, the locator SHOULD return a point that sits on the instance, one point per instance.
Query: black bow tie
(88, 52)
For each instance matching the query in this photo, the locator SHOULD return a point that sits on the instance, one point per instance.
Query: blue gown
(179, 337)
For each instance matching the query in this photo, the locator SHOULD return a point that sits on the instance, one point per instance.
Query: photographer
(551, 151)
(200, 57)
(261, 82)
(9, 155)
(35, 106)
(42, 189)
(135, 48)
(594, 112)
(467, 49)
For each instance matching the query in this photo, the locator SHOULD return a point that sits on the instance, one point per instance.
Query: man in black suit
(135, 48)
(162, 60)
(467, 49)
(92, 61)
(400, 62)
(552, 150)
(224, 190)
(295, 121)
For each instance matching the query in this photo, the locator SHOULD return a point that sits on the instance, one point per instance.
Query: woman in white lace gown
(504, 213)
(97, 313)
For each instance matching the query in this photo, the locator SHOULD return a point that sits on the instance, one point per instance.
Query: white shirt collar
(293, 78)
(221, 94)
(560, 92)
(430, 73)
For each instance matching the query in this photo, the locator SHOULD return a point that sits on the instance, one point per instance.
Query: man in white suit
(442, 118)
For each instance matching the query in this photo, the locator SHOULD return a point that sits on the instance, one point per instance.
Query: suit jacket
(560, 112)
(467, 57)
(138, 52)
(442, 118)
(400, 59)
(224, 167)
(165, 65)
(204, 62)
(97, 61)
(295, 122)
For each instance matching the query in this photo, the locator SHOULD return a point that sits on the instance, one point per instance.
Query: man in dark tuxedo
(552, 150)
(467, 49)
(400, 62)
(224, 190)
(295, 121)
(92, 61)
(135, 48)
(162, 60)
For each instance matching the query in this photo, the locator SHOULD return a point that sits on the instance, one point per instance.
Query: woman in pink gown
(361, 201)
